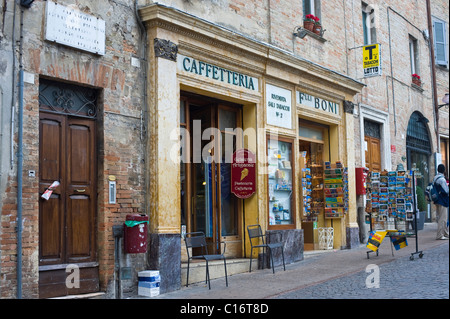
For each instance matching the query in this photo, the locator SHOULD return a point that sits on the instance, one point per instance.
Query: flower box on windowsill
(417, 86)
(416, 81)
(311, 34)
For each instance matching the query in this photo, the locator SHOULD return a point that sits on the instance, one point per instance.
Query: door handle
(80, 190)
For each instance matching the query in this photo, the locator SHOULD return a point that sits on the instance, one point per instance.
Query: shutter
(439, 42)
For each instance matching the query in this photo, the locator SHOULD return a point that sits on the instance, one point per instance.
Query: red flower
(416, 76)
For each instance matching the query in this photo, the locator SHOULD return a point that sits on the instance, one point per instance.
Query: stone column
(352, 229)
(164, 171)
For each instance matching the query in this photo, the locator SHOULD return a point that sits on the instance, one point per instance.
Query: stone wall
(121, 129)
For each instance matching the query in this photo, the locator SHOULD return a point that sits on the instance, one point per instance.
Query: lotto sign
(371, 60)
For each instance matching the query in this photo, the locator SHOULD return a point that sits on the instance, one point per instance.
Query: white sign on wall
(279, 106)
(74, 28)
(318, 103)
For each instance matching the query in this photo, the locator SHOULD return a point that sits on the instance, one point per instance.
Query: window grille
(68, 99)
(417, 137)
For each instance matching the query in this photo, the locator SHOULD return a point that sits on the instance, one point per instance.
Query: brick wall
(120, 148)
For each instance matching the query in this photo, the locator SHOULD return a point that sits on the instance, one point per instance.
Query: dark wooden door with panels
(67, 154)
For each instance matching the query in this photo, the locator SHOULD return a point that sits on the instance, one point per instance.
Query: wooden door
(67, 219)
(373, 153)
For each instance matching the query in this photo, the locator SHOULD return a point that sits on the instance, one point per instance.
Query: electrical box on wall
(112, 190)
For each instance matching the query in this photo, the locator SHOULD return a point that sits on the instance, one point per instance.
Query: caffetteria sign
(217, 73)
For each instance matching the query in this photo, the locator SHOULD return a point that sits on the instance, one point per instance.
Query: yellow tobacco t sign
(372, 60)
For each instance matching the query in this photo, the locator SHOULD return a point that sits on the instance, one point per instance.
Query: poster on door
(243, 173)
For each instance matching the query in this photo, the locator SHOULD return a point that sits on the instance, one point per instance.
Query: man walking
(442, 203)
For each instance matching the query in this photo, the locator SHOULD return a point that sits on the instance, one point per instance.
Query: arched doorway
(418, 150)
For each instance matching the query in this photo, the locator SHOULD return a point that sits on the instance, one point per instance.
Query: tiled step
(197, 269)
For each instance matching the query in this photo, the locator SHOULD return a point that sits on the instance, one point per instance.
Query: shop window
(311, 133)
(281, 183)
(440, 42)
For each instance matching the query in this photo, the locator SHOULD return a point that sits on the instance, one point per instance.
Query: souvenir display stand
(335, 190)
(324, 196)
(391, 208)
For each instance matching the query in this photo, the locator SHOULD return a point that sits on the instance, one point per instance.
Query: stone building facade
(167, 65)
(63, 76)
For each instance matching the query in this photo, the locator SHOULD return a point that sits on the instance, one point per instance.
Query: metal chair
(254, 231)
(198, 240)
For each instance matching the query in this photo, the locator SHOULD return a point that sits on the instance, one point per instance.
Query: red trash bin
(135, 234)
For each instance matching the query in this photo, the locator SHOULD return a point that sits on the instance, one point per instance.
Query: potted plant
(416, 79)
(308, 22)
(317, 26)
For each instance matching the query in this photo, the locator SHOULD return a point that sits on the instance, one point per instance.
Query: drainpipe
(433, 75)
(20, 165)
(392, 71)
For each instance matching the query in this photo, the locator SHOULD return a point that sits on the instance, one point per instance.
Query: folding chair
(254, 231)
(198, 240)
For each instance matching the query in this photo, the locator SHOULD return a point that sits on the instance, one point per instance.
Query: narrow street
(342, 274)
(422, 278)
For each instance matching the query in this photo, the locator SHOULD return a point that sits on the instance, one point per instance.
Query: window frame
(414, 55)
(369, 32)
(314, 6)
(293, 199)
(443, 62)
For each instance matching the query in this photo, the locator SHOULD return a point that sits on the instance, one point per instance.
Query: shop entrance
(207, 204)
(314, 150)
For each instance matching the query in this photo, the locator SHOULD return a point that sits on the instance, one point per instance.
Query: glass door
(203, 172)
(207, 204)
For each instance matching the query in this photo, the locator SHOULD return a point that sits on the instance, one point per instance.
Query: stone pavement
(423, 278)
(341, 274)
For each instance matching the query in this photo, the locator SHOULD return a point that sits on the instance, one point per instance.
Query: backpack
(433, 194)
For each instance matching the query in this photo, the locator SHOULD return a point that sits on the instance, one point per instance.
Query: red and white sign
(243, 173)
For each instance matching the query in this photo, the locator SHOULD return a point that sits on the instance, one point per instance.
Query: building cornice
(175, 20)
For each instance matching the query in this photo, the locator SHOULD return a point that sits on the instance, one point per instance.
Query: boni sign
(243, 173)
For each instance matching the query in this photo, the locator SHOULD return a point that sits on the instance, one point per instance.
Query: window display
(280, 172)
(311, 165)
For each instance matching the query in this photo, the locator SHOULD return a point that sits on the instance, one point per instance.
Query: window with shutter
(440, 45)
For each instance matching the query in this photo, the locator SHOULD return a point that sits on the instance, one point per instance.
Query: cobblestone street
(421, 278)
(342, 274)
